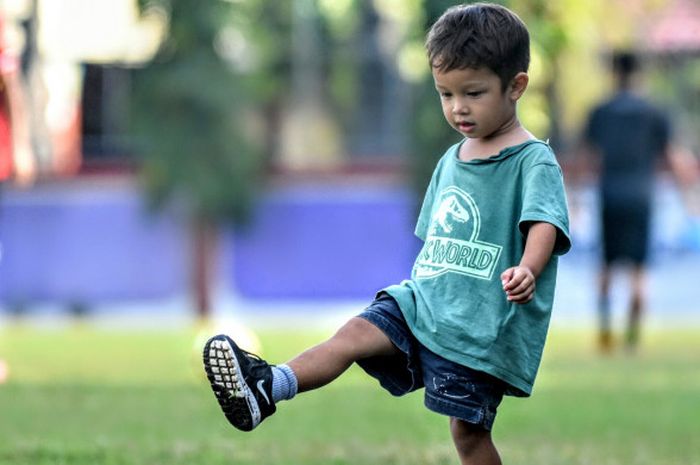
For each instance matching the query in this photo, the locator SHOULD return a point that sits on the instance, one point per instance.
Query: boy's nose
(459, 107)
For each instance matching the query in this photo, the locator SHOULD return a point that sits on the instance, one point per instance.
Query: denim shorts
(450, 389)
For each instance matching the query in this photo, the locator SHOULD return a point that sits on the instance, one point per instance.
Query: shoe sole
(228, 383)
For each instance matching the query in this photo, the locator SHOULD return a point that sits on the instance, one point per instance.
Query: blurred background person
(628, 135)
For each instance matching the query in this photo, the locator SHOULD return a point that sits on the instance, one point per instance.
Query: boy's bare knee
(363, 339)
(350, 332)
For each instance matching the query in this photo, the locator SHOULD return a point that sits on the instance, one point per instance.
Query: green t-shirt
(473, 223)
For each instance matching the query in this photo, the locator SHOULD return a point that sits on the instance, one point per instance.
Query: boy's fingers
(517, 279)
(522, 300)
(506, 276)
(522, 297)
(521, 287)
(522, 276)
(518, 284)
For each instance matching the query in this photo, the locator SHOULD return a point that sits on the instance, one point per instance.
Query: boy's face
(474, 103)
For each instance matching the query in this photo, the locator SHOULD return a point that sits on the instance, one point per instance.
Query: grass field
(85, 396)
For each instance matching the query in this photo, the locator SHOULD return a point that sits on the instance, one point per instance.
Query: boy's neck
(485, 147)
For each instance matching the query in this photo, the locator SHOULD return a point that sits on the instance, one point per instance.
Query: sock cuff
(291, 379)
(284, 383)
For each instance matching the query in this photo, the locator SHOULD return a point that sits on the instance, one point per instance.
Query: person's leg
(637, 302)
(357, 339)
(474, 445)
(639, 248)
(248, 388)
(613, 229)
(470, 399)
(604, 317)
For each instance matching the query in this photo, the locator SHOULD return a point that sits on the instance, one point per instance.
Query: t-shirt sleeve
(544, 200)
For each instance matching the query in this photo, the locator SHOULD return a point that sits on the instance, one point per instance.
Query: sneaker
(241, 381)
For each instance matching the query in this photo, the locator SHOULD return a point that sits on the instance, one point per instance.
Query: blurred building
(340, 86)
(74, 55)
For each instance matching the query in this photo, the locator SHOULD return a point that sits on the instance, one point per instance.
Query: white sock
(284, 383)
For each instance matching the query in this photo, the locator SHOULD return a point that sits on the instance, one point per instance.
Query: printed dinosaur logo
(452, 245)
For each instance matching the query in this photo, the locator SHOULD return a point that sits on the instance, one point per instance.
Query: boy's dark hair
(480, 35)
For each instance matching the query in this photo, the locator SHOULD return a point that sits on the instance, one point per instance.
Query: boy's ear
(518, 85)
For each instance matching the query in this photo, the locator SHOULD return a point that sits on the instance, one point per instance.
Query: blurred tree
(431, 135)
(260, 34)
(549, 37)
(190, 120)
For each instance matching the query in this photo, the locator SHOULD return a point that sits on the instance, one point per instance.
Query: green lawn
(83, 396)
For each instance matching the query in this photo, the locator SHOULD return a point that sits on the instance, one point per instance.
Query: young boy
(468, 327)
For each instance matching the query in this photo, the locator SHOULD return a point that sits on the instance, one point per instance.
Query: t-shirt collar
(503, 154)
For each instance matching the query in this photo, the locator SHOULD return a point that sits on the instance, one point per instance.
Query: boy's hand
(518, 284)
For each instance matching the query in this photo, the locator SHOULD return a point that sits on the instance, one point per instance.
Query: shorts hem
(475, 416)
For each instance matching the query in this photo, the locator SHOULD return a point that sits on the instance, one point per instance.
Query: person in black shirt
(630, 135)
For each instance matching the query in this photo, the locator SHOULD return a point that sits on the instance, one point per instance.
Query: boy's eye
(445, 94)
(475, 93)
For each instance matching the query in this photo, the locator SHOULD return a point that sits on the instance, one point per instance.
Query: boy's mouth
(465, 126)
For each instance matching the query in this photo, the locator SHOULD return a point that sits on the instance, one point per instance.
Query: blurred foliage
(190, 118)
(213, 107)
(431, 135)
(679, 93)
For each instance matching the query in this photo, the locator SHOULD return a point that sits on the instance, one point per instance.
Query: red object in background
(677, 29)
(6, 166)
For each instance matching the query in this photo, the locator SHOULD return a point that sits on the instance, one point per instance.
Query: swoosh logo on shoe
(262, 391)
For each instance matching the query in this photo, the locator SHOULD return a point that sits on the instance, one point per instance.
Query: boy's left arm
(519, 281)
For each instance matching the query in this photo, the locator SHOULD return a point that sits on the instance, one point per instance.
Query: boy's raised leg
(356, 340)
(243, 383)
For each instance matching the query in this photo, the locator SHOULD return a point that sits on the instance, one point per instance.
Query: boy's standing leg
(474, 445)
